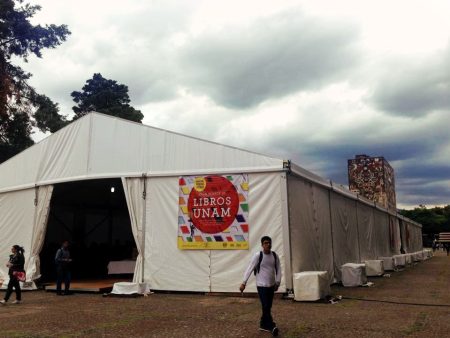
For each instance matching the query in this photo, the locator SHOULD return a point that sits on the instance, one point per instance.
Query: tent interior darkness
(93, 216)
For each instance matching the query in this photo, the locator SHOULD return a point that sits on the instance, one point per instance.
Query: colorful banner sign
(213, 212)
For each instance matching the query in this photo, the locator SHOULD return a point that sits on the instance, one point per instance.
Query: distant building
(373, 178)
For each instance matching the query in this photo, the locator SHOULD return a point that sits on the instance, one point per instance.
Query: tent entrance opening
(93, 216)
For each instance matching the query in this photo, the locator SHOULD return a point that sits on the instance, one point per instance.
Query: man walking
(63, 261)
(266, 266)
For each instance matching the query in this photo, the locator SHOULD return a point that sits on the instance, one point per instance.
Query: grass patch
(418, 325)
(22, 334)
(111, 324)
(346, 303)
(301, 330)
(434, 293)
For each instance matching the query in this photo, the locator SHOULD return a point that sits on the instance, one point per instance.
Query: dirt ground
(414, 303)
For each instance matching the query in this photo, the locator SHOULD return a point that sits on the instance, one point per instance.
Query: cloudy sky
(312, 81)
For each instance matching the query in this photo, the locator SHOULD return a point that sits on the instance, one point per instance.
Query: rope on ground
(392, 302)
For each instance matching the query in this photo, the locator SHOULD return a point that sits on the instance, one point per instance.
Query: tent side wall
(382, 233)
(345, 231)
(310, 227)
(394, 231)
(414, 237)
(366, 232)
(23, 222)
(410, 234)
(168, 268)
(330, 226)
(16, 224)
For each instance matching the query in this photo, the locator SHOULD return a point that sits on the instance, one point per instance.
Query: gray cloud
(415, 88)
(434, 172)
(130, 46)
(272, 57)
(414, 152)
(431, 195)
(244, 75)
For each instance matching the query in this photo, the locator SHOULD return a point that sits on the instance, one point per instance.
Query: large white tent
(314, 224)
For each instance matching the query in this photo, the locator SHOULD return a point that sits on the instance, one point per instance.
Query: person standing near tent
(63, 261)
(266, 267)
(16, 265)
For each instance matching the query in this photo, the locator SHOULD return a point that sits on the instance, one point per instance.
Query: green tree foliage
(105, 96)
(21, 107)
(433, 220)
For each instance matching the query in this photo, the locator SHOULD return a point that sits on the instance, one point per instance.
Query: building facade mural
(373, 178)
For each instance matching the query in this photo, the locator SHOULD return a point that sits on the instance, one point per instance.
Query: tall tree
(433, 220)
(21, 107)
(105, 96)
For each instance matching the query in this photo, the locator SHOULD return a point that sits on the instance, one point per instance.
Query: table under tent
(187, 214)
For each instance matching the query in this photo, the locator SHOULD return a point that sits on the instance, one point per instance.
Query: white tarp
(345, 231)
(58, 157)
(366, 232)
(99, 146)
(265, 218)
(134, 190)
(311, 285)
(169, 268)
(357, 230)
(399, 260)
(41, 213)
(17, 211)
(394, 231)
(388, 263)
(127, 288)
(353, 274)
(310, 227)
(374, 267)
(382, 234)
(414, 237)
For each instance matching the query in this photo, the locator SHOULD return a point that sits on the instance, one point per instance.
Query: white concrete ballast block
(374, 267)
(353, 274)
(388, 263)
(311, 285)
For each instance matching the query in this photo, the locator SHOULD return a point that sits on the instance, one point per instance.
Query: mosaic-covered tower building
(373, 178)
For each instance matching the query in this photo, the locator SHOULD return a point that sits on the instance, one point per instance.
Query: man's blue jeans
(62, 274)
(266, 298)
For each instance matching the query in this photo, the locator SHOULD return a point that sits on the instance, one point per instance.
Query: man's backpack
(258, 266)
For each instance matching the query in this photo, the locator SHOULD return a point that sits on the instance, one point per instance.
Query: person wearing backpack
(266, 267)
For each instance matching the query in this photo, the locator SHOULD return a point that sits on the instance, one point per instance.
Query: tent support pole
(286, 230)
(144, 223)
(357, 231)
(331, 229)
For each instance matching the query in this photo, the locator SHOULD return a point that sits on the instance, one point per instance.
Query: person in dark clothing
(266, 267)
(15, 264)
(63, 261)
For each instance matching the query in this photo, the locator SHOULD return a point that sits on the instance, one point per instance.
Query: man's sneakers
(274, 331)
(3, 302)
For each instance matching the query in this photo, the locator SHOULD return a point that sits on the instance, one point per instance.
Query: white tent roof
(101, 146)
